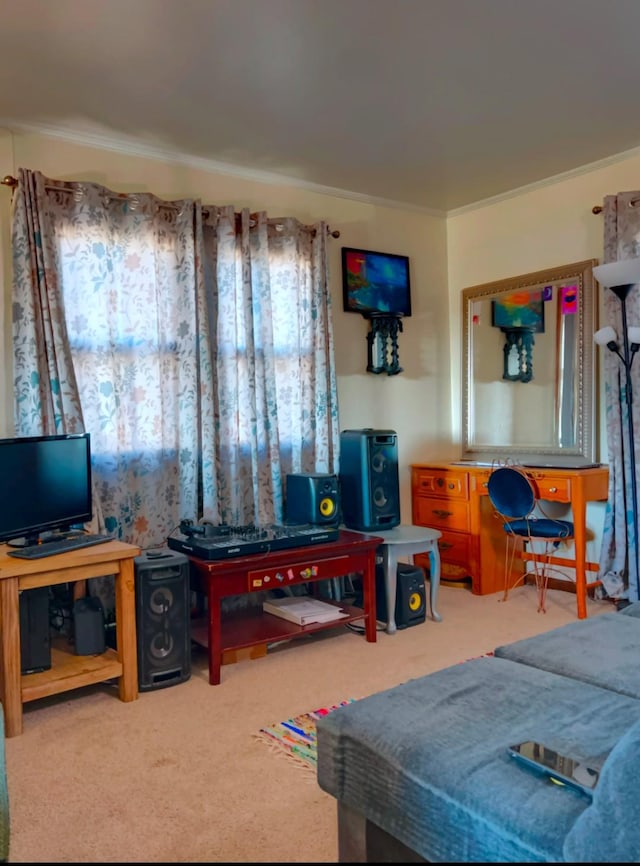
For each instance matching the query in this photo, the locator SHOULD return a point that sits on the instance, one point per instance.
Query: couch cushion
(603, 650)
(427, 760)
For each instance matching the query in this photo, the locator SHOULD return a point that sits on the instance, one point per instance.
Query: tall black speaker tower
(163, 618)
(369, 485)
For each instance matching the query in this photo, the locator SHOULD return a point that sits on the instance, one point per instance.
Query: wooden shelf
(69, 671)
(248, 628)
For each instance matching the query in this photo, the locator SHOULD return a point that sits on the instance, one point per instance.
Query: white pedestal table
(402, 541)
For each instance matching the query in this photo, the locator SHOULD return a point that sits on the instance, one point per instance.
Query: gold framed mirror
(528, 374)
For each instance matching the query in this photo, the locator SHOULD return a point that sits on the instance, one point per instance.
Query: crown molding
(136, 147)
(548, 181)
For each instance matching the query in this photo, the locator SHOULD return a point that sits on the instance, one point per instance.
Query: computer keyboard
(59, 545)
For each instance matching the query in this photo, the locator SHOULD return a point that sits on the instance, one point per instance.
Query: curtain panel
(194, 344)
(621, 241)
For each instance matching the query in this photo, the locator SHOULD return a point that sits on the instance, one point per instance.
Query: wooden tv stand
(352, 552)
(68, 671)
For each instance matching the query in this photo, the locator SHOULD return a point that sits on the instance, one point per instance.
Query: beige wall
(527, 231)
(541, 228)
(415, 403)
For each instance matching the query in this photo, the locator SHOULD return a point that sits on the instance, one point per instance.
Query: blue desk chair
(514, 498)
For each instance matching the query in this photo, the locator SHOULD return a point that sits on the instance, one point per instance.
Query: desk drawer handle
(553, 490)
(440, 512)
(445, 545)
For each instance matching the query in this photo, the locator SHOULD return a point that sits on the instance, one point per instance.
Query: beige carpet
(177, 776)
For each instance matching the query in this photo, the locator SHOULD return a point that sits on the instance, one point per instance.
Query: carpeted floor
(179, 775)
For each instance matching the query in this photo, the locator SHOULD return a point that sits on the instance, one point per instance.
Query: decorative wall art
(377, 285)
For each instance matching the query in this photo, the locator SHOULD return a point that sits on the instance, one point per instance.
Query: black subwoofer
(163, 612)
(369, 485)
(312, 498)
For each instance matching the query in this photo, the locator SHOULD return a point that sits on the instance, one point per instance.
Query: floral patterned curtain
(275, 384)
(196, 347)
(621, 241)
(108, 329)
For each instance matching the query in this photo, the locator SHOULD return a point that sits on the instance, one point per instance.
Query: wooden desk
(353, 552)
(68, 671)
(453, 497)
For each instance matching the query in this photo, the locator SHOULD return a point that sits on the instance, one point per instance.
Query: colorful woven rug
(296, 737)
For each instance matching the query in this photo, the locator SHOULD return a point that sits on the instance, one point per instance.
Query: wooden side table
(68, 671)
(351, 552)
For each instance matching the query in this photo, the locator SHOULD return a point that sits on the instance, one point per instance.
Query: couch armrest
(608, 831)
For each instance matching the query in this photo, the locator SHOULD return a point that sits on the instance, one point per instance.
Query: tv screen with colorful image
(375, 283)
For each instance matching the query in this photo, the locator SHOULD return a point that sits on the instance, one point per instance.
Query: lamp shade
(605, 336)
(621, 273)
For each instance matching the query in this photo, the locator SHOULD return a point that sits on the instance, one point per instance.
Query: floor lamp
(620, 277)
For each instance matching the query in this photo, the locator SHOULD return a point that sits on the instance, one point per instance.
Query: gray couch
(421, 771)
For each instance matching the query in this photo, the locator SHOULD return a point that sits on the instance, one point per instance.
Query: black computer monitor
(45, 485)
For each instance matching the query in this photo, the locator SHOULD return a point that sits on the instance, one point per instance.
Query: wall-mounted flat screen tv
(375, 283)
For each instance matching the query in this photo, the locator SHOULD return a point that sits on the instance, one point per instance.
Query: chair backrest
(511, 492)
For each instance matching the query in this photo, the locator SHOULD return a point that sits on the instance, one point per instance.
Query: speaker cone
(161, 645)
(378, 462)
(380, 497)
(161, 600)
(415, 601)
(327, 506)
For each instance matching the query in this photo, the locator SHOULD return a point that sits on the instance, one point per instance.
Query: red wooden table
(351, 553)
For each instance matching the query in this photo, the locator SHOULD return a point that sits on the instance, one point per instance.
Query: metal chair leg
(511, 548)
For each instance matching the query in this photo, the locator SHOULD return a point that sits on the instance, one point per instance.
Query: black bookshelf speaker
(411, 597)
(163, 618)
(369, 484)
(312, 498)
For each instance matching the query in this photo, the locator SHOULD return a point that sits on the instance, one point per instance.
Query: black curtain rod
(9, 180)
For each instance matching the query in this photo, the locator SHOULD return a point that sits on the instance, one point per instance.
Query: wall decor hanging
(377, 285)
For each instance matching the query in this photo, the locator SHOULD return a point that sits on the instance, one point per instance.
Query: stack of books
(303, 610)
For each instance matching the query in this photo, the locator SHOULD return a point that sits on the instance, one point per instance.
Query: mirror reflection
(528, 373)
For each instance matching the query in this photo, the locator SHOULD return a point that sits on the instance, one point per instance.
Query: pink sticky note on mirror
(568, 300)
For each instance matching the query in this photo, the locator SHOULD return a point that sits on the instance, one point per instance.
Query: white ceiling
(435, 103)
